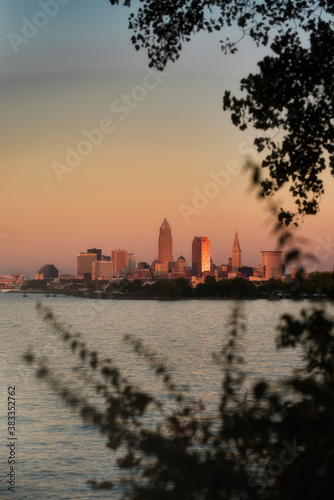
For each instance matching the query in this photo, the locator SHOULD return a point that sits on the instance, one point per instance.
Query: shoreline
(49, 294)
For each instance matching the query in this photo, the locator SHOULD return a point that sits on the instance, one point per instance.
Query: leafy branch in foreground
(290, 100)
(270, 444)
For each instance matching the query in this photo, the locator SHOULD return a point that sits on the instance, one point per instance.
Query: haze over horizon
(155, 142)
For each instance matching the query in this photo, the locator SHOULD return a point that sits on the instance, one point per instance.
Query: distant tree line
(315, 284)
(318, 283)
(34, 285)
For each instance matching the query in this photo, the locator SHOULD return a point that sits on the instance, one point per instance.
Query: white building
(102, 270)
(131, 261)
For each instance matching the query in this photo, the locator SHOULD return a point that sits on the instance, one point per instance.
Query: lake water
(56, 452)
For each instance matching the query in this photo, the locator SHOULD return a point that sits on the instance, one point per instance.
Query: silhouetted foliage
(290, 100)
(268, 444)
(178, 288)
(316, 284)
(34, 285)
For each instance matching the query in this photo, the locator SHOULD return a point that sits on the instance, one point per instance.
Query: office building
(272, 264)
(201, 255)
(180, 265)
(165, 246)
(160, 268)
(236, 253)
(49, 271)
(98, 252)
(120, 261)
(102, 270)
(131, 261)
(84, 263)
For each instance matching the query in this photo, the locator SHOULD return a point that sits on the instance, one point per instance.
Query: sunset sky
(165, 137)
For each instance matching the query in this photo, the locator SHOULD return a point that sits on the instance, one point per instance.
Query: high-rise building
(120, 261)
(159, 268)
(272, 264)
(165, 251)
(102, 270)
(201, 255)
(236, 253)
(49, 271)
(180, 265)
(84, 263)
(131, 261)
(98, 252)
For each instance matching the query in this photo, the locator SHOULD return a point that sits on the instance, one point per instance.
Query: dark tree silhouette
(292, 95)
(269, 444)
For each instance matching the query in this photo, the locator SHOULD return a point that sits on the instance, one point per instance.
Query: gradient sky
(64, 81)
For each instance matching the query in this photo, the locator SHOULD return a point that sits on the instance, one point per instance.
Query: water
(56, 452)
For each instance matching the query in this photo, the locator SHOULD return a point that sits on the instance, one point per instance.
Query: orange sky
(164, 139)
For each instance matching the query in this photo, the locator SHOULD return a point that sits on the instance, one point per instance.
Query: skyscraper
(120, 261)
(98, 252)
(49, 270)
(236, 253)
(165, 250)
(180, 265)
(102, 270)
(201, 255)
(84, 263)
(131, 261)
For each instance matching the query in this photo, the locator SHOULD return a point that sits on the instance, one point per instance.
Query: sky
(97, 149)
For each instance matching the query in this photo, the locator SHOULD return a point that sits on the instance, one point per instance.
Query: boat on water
(47, 295)
(54, 295)
(25, 295)
(4, 290)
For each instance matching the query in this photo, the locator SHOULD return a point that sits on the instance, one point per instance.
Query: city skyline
(231, 251)
(121, 262)
(96, 266)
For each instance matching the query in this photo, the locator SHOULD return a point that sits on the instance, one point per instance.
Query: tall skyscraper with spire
(236, 253)
(165, 250)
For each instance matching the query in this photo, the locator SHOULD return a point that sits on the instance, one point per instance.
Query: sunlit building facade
(201, 255)
(84, 263)
(272, 264)
(236, 253)
(160, 268)
(120, 261)
(102, 270)
(165, 245)
(180, 265)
